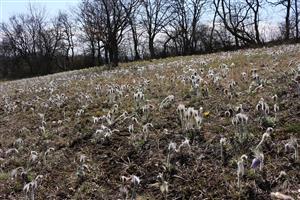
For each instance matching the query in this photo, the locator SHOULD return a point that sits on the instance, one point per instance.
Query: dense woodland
(106, 32)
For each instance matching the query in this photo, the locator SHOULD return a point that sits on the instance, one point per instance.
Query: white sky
(11, 7)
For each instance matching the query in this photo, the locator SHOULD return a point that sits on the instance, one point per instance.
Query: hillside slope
(112, 134)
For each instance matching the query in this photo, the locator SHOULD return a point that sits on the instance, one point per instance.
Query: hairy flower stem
(133, 195)
(222, 153)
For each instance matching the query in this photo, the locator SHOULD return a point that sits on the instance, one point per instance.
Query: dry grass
(199, 174)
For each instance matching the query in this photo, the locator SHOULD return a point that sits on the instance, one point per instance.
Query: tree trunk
(99, 53)
(287, 20)
(212, 30)
(136, 51)
(92, 53)
(151, 47)
(256, 21)
(135, 41)
(113, 53)
(106, 54)
(257, 36)
(165, 47)
(236, 41)
(297, 19)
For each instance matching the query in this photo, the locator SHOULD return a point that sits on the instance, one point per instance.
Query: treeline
(99, 32)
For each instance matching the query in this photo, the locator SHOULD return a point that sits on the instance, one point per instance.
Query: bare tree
(86, 17)
(67, 43)
(49, 43)
(235, 17)
(131, 13)
(108, 21)
(255, 5)
(215, 8)
(296, 18)
(186, 23)
(288, 6)
(106, 29)
(154, 17)
(34, 40)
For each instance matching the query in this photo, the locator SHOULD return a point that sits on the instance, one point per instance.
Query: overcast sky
(11, 7)
(270, 16)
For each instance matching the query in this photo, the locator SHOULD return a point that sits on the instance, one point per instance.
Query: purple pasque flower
(255, 163)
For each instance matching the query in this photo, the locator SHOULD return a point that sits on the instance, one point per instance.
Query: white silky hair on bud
(241, 167)
(244, 75)
(270, 130)
(172, 146)
(185, 144)
(18, 142)
(240, 118)
(166, 102)
(135, 180)
(180, 109)
(223, 141)
(14, 172)
(281, 196)
(276, 108)
(263, 139)
(262, 106)
(131, 128)
(31, 187)
(82, 158)
(293, 144)
(49, 150)
(33, 156)
(275, 98)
